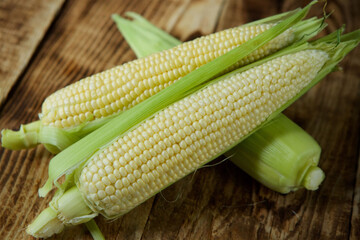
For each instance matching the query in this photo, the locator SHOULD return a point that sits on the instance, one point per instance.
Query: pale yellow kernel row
(189, 133)
(122, 87)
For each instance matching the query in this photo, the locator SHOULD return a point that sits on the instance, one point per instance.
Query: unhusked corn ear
(189, 133)
(122, 87)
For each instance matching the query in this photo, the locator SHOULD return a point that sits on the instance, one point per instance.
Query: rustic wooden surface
(218, 202)
(23, 25)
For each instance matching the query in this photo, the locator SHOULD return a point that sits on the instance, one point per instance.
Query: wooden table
(46, 45)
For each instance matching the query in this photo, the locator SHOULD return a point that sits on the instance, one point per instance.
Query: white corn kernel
(122, 87)
(219, 128)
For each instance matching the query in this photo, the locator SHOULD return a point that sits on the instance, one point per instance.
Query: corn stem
(26, 137)
(68, 209)
(46, 224)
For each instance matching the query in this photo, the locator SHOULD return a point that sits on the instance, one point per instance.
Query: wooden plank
(236, 13)
(353, 19)
(355, 217)
(216, 202)
(200, 18)
(82, 41)
(22, 26)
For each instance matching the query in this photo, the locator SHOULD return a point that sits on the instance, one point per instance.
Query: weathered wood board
(23, 26)
(218, 202)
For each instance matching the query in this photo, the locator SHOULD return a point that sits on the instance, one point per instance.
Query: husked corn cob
(280, 155)
(189, 133)
(122, 87)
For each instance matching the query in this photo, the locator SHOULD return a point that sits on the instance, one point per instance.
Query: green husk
(281, 155)
(71, 158)
(139, 30)
(57, 139)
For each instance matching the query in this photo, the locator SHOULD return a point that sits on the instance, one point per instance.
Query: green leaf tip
(45, 225)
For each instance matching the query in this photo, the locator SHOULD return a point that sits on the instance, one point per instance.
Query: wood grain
(355, 214)
(214, 202)
(23, 25)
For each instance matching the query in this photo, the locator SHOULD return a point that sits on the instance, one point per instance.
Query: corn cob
(189, 133)
(74, 111)
(122, 87)
(280, 155)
